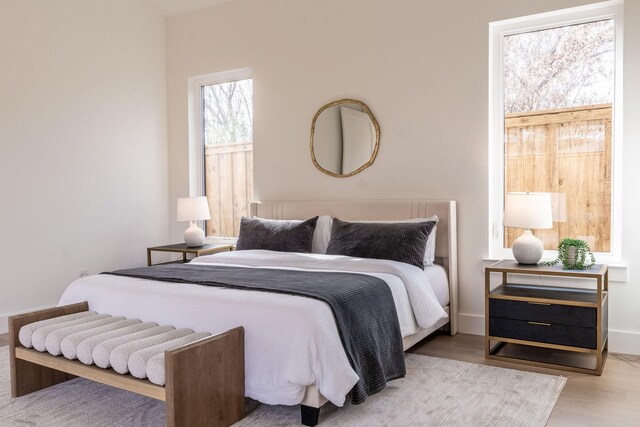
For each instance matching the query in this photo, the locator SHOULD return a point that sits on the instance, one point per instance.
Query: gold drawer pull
(539, 323)
(538, 303)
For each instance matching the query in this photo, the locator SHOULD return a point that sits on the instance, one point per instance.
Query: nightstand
(182, 248)
(550, 326)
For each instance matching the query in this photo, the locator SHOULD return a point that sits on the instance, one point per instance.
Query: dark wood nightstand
(557, 327)
(182, 248)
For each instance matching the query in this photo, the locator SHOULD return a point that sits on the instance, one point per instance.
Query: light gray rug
(435, 392)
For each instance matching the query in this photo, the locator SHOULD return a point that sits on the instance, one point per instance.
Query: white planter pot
(571, 255)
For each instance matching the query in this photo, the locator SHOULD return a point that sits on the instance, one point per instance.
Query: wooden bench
(191, 398)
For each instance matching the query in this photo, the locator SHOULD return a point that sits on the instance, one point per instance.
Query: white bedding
(439, 282)
(290, 341)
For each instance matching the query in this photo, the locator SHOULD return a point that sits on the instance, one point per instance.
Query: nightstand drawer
(543, 332)
(556, 314)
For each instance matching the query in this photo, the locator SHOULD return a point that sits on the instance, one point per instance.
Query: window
(222, 142)
(555, 85)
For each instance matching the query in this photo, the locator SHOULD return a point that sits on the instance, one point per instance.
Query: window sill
(617, 271)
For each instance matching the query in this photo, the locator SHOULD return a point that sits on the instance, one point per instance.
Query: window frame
(497, 31)
(196, 129)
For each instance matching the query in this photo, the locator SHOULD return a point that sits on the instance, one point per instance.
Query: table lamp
(193, 209)
(527, 210)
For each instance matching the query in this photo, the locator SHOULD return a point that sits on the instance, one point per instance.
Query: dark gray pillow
(275, 235)
(404, 242)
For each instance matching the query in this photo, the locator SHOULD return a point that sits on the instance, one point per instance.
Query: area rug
(435, 392)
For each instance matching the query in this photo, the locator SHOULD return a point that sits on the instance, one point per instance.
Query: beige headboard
(446, 238)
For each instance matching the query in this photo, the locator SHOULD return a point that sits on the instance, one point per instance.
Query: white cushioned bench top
(126, 345)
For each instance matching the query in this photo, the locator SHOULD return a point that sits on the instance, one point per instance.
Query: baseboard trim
(471, 324)
(4, 318)
(625, 342)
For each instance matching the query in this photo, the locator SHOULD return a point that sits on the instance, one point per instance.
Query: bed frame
(446, 253)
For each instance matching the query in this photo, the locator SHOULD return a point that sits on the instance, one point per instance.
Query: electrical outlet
(82, 273)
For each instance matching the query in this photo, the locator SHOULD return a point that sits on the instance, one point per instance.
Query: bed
(293, 351)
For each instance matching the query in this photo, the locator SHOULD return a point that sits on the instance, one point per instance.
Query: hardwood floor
(587, 400)
(612, 399)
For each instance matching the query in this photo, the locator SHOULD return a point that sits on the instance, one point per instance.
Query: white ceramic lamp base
(194, 235)
(527, 249)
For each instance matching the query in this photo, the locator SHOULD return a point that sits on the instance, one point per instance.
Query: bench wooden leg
(27, 377)
(205, 381)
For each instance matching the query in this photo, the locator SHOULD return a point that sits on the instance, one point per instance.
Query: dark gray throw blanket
(362, 305)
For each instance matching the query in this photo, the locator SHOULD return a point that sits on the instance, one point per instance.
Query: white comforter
(290, 341)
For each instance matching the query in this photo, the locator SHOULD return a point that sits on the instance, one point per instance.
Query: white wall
(83, 144)
(422, 67)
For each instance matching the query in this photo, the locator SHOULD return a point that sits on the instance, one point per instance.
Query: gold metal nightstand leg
(487, 289)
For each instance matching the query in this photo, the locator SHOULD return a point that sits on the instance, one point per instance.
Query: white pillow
(321, 235)
(429, 253)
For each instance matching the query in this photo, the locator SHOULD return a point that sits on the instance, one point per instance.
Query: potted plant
(573, 253)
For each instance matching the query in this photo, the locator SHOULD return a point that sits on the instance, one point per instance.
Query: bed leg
(309, 415)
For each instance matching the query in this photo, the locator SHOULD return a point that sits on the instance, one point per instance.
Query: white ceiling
(177, 7)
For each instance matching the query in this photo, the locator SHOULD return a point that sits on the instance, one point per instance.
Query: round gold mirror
(344, 138)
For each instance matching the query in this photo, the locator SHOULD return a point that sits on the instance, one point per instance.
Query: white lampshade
(193, 209)
(527, 210)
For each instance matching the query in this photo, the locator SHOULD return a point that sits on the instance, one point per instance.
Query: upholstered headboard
(446, 238)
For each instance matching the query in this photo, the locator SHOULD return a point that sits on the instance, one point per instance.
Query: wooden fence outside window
(228, 186)
(566, 152)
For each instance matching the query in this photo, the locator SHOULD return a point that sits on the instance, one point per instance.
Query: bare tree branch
(228, 111)
(559, 67)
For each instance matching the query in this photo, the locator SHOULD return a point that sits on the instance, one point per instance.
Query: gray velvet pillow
(276, 235)
(403, 242)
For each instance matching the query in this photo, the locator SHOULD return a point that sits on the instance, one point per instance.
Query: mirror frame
(365, 109)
